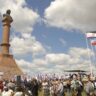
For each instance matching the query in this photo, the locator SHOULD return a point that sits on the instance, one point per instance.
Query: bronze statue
(7, 17)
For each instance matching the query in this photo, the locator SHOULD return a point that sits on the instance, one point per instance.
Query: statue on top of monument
(6, 17)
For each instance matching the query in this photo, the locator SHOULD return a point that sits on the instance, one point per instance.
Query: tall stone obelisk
(7, 20)
(7, 63)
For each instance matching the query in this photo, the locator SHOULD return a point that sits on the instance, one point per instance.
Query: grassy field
(40, 93)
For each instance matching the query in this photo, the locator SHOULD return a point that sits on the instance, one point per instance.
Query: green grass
(83, 93)
(41, 93)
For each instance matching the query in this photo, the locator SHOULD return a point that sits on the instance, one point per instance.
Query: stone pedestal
(8, 66)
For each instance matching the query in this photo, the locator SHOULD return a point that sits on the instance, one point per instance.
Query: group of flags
(92, 37)
(91, 40)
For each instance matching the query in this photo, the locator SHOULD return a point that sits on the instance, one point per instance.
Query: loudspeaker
(18, 79)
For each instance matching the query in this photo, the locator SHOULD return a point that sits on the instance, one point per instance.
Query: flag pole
(93, 50)
(90, 64)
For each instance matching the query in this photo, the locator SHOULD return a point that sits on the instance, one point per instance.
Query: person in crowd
(5, 91)
(46, 88)
(94, 82)
(60, 89)
(74, 85)
(67, 87)
(89, 87)
(11, 85)
(79, 86)
(10, 92)
(19, 91)
(1, 86)
(35, 87)
(28, 86)
(53, 88)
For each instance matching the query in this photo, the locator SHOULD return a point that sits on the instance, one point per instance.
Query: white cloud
(26, 66)
(23, 46)
(80, 52)
(24, 17)
(71, 14)
(40, 62)
(58, 62)
(57, 58)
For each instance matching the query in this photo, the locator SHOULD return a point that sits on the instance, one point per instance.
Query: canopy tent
(74, 71)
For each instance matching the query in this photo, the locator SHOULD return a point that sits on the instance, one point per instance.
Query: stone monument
(8, 66)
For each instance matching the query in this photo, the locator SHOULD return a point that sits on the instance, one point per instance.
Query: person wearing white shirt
(60, 89)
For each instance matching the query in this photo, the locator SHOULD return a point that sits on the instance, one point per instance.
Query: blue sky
(49, 34)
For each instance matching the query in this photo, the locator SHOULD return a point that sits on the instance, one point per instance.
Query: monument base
(8, 66)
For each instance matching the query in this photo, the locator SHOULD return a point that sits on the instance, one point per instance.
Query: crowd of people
(19, 88)
(74, 85)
